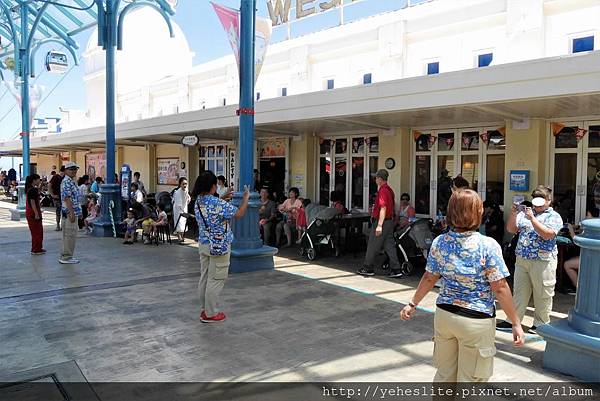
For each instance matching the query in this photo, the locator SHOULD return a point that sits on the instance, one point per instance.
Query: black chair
(163, 233)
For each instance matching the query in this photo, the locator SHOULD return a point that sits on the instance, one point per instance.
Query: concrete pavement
(129, 313)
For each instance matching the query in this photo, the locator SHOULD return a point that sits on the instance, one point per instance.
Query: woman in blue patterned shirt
(214, 217)
(474, 275)
(535, 267)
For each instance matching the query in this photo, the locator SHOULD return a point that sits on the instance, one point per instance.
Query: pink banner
(230, 19)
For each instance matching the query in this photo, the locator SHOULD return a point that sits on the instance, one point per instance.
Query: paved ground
(129, 313)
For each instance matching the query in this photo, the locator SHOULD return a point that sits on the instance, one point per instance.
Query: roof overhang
(551, 88)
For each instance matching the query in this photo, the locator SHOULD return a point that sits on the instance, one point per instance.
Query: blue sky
(205, 36)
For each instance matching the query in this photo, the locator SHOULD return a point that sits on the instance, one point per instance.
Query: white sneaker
(71, 261)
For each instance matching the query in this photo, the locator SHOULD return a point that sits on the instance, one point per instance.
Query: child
(93, 212)
(301, 219)
(130, 222)
(162, 220)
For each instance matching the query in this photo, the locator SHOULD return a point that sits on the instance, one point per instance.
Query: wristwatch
(412, 305)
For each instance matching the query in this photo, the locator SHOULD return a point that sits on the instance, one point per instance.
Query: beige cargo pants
(463, 348)
(69, 238)
(213, 273)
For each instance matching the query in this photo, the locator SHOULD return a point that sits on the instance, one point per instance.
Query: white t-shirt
(138, 196)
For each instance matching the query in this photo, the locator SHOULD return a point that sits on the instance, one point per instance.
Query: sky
(206, 39)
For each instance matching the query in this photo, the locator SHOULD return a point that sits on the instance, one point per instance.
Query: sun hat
(71, 166)
(538, 201)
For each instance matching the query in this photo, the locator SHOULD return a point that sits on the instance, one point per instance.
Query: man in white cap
(535, 267)
(71, 212)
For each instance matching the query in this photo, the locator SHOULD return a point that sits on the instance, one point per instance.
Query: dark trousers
(384, 241)
(37, 234)
(58, 206)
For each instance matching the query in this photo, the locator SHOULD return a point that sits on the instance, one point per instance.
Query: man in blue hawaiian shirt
(535, 267)
(71, 212)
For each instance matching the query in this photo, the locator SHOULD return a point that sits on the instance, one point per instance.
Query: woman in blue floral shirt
(214, 217)
(535, 267)
(473, 274)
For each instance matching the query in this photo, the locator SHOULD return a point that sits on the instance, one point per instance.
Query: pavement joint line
(94, 287)
(529, 338)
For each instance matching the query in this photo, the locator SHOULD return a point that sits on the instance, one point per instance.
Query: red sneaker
(219, 317)
(203, 315)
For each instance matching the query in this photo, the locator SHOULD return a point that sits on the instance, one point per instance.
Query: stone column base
(17, 214)
(570, 352)
(249, 260)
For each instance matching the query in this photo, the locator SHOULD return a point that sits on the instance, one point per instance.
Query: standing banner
(230, 19)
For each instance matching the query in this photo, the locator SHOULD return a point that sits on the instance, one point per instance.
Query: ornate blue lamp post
(573, 344)
(248, 252)
(25, 47)
(110, 36)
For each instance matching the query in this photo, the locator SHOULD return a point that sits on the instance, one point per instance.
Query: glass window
(593, 185)
(339, 180)
(374, 144)
(220, 169)
(202, 151)
(330, 84)
(422, 184)
(483, 60)
(341, 146)
(585, 44)
(422, 143)
(566, 138)
(470, 141)
(444, 182)
(211, 165)
(358, 145)
(324, 171)
(324, 146)
(283, 91)
(358, 171)
(445, 142)
(496, 141)
(433, 68)
(565, 177)
(594, 136)
(373, 167)
(367, 78)
(494, 180)
(220, 151)
(202, 165)
(470, 170)
(211, 151)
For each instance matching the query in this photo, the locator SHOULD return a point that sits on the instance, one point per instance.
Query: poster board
(95, 165)
(272, 148)
(167, 169)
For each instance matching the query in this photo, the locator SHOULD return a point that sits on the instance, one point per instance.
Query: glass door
(347, 167)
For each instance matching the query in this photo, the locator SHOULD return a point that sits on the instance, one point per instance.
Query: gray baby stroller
(319, 234)
(413, 243)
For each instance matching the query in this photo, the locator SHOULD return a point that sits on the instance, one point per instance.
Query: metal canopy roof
(61, 20)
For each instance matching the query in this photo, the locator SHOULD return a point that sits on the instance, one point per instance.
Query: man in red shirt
(54, 188)
(382, 229)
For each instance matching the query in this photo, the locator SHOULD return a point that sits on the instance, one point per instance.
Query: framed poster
(167, 169)
(95, 165)
(272, 148)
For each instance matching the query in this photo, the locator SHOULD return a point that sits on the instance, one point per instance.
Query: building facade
(489, 89)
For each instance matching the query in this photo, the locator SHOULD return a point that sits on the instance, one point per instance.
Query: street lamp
(110, 36)
(25, 47)
(248, 252)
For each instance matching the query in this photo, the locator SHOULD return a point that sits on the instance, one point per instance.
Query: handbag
(217, 243)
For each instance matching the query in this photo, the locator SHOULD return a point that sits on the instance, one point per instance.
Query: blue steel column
(109, 192)
(248, 252)
(573, 344)
(23, 63)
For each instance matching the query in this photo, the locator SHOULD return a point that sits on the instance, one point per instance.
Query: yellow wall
(168, 151)
(397, 146)
(45, 164)
(526, 150)
(299, 162)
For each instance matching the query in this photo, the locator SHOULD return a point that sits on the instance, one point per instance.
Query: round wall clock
(390, 163)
